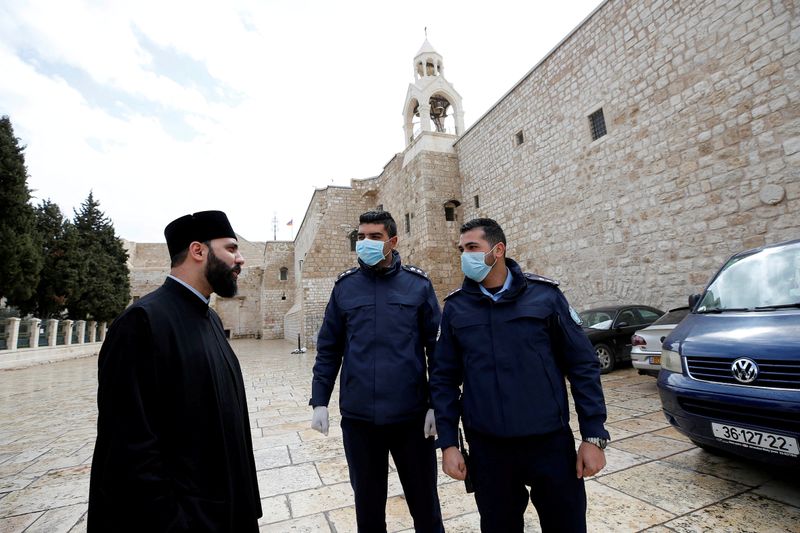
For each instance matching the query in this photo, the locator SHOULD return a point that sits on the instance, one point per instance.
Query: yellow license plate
(656, 359)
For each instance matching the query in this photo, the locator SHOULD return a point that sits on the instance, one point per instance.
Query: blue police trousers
(367, 447)
(501, 468)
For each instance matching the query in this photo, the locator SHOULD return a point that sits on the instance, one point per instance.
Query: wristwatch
(600, 442)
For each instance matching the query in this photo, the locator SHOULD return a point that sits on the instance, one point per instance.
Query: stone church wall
(277, 296)
(702, 105)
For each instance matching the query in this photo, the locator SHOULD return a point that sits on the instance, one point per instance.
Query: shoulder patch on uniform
(452, 293)
(346, 273)
(537, 277)
(416, 270)
(575, 316)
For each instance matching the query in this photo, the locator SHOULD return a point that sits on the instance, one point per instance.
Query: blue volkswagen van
(730, 371)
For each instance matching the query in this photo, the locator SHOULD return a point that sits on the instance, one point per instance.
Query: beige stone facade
(701, 158)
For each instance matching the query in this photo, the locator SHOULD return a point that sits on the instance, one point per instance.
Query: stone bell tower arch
(432, 104)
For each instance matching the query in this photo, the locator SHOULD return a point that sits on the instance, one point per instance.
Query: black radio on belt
(465, 453)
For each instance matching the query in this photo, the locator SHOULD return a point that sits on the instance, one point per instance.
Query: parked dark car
(610, 329)
(730, 371)
(646, 343)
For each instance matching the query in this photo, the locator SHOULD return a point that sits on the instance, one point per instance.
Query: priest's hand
(319, 420)
(430, 424)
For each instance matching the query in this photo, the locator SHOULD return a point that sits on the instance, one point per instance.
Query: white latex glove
(319, 420)
(430, 424)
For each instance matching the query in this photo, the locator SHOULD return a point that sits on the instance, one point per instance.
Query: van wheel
(606, 357)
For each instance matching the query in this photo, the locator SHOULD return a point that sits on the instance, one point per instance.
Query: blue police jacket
(379, 327)
(512, 356)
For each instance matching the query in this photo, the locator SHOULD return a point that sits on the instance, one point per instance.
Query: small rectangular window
(598, 124)
(519, 138)
(449, 213)
(408, 223)
(379, 208)
(477, 201)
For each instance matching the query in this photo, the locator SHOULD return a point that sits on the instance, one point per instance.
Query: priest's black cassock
(174, 449)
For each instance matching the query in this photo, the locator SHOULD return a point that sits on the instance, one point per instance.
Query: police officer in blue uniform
(380, 327)
(510, 338)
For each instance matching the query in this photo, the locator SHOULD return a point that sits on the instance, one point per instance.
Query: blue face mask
(474, 266)
(370, 252)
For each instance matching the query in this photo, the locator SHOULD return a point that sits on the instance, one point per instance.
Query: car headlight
(671, 361)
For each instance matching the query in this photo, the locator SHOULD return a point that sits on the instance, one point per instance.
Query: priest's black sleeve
(130, 485)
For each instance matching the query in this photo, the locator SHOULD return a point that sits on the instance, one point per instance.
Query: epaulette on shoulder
(537, 277)
(415, 270)
(453, 293)
(346, 273)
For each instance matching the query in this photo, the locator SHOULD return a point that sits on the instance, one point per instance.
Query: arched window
(353, 236)
(284, 273)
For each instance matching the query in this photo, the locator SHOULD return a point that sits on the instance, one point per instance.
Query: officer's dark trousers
(501, 468)
(367, 447)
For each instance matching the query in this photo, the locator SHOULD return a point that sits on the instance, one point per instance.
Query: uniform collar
(506, 285)
(375, 272)
(514, 285)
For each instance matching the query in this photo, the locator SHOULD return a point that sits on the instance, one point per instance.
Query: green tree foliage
(63, 265)
(20, 249)
(103, 288)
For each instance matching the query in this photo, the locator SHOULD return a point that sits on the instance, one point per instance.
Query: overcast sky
(167, 107)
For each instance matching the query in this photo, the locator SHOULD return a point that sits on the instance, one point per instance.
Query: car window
(648, 316)
(627, 316)
(672, 317)
(765, 278)
(596, 319)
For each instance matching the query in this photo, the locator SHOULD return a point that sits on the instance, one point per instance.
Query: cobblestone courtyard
(655, 478)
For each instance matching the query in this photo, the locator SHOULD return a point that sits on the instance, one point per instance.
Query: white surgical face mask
(474, 266)
(370, 252)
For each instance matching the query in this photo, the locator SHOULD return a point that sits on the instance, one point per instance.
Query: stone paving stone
(612, 510)
(308, 524)
(287, 479)
(321, 499)
(275, 509)
(671, 488)
(653, 446)
(637, 425)
(737, 470)
(617, 460)
(18, 523)
(59, 488)
(746, 512)
(782, 490)
(59, 520)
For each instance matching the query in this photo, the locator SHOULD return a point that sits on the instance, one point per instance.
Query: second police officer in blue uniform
(511, 338)
(380, 327)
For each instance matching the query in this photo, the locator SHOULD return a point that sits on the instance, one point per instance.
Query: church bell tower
(432, 104)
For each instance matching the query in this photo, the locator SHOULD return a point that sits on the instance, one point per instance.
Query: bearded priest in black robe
(174, 450)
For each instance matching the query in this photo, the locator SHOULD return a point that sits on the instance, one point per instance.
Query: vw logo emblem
(744, 370)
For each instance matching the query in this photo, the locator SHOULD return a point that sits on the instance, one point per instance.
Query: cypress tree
(103, 287)
(62, 263)
(20, 249)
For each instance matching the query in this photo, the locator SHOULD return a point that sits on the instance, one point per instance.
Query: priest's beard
(220, 276)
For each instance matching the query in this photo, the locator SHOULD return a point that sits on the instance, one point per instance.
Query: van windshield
(764, 279)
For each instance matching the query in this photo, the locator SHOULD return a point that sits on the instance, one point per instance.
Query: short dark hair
(380, 217)
(180, 257)
(491, 230)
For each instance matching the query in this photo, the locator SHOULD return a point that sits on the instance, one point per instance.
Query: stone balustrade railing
(27, 341)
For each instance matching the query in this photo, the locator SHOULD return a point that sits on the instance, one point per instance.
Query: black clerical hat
(202, 226)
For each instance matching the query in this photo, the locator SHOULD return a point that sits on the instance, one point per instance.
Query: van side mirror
(693, 299)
